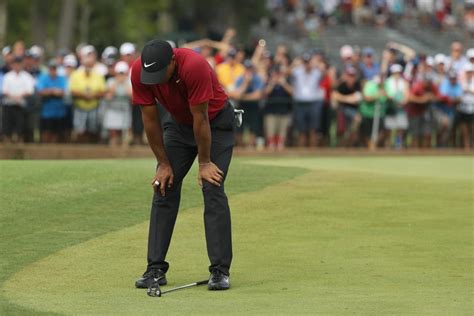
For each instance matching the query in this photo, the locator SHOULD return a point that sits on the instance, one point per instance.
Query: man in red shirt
(199, 121)
(422, 95)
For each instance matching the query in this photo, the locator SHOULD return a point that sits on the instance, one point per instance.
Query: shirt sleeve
(239, 81)
(198, 82)
(141, 93)
(258, 83)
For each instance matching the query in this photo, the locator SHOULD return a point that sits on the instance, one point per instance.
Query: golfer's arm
(154, 133)
(202, 131)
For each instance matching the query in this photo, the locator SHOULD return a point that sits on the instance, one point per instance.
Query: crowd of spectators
(393, 98)
(310, 16)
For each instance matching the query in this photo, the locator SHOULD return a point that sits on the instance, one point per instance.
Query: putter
(155, 291)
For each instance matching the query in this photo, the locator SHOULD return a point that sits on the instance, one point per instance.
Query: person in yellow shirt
(87, 88)
(229, 71)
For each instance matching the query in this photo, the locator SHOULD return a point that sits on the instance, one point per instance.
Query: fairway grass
(368, 236)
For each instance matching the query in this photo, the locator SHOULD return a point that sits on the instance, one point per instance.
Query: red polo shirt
(193, 83)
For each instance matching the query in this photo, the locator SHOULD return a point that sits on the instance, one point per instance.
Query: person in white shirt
(18, 85)
(308, 98)
(465, 110)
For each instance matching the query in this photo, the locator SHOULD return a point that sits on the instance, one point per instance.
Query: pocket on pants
(225, 120)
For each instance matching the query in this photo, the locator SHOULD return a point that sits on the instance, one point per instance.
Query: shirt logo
(146, 66)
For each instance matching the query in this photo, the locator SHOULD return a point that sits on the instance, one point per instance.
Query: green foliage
(112, 22)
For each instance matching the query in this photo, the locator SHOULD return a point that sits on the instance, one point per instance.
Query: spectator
(249, 92)
(397, 90)
(440, 69)
(51, 88)
(278, 107)
(450, 92)
(369, 67)
(229, 71)
(465, 111)
(88, 52)
(18, 85)
(422, 95)
(347, 97)
(87, 88)
(308, 98)
(70, 65)
(457, 60)
(127, 53)
(8, 57)
(117, 104)
(372, 111)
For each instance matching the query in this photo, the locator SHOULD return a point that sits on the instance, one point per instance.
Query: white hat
(6, 50)
(109, 51)
(121, 67)
(36, 51)
(430, 61)
(396, 68)
(127, 49)
(70, 61)
(440, 59)
(470, 53)
(86, 50)
(346, 51)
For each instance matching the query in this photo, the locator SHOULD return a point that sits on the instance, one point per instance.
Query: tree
(67, 19)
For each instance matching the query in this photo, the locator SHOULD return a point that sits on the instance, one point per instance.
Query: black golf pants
(182, 150)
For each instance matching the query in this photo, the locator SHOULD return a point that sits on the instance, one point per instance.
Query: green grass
(311, 235)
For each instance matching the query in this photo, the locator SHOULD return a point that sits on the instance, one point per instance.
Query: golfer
(199, 121)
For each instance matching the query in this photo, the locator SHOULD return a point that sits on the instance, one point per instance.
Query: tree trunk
(39, 17)
(3, 22)
(84, 22)
(67, 19)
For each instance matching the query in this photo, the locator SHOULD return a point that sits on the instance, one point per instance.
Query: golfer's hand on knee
(163, 178)
(211, 173)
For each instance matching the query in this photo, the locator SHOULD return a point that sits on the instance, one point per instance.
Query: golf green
(311, 235)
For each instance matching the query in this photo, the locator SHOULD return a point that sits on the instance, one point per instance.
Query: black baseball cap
(156, 56)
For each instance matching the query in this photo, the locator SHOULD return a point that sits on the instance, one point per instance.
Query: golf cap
(430, 61)
(121, 67)
(346, 51)
(6, 50)
(87, 49)
(109, 52)
(232, 53)
(36, 51)
(127, 49)
(396, 68)
(156, 56)
(52, 64)
(368, 51)
(306, 58)
(70, 61)
(452, 74)
(470, 53)
(440, 59)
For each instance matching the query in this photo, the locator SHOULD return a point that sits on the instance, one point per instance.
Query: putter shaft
(185, 286)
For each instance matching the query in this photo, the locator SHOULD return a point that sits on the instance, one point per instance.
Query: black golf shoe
(147, 279)
(218, 281)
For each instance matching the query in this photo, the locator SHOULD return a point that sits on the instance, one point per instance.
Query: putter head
(154, 289)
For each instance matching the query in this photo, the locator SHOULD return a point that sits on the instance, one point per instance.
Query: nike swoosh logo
(146, 66)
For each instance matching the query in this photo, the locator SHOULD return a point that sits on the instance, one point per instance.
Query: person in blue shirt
(51, 88)
(369, 67)
(450, 91)
(249, 92)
